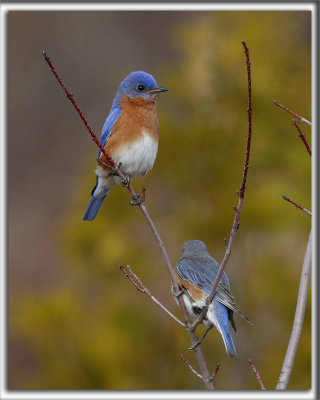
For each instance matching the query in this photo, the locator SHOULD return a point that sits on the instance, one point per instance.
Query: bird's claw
(177, 295)
(125, 182)
(135, 201)
(199, 341)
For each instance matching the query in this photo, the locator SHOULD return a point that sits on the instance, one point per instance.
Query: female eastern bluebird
(129, 135)
(196, 272)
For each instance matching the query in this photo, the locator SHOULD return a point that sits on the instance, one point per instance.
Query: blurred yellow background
(75, 321)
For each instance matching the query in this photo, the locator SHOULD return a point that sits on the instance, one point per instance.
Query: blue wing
(112, 118)
(201, 273)
(95, 203)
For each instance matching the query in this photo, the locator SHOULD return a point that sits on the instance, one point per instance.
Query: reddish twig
(296, 205)
(70, 97)
(197, 373)
(246, 164)
(303, 138)
(215, 371)
(257, 374)
(238, 209)
(142, 288)
(301, 119)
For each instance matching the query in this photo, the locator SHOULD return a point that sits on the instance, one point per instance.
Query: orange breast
(137, 115)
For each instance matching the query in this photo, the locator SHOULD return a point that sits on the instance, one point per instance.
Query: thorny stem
(257, 374)
(134, 195)
(297, 205)
(301, 119)
(238, 209)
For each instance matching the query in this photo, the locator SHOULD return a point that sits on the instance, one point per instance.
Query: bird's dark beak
(157, 90)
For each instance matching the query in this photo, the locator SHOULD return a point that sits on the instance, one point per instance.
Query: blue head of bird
(140, 84)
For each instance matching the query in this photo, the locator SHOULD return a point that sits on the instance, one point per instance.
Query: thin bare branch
(257, 374)
(297, 116)
(136, 200)
(298, 319)
(296, 205)
(143, 289)
(238, 209)
(303, 138)
(190, 366)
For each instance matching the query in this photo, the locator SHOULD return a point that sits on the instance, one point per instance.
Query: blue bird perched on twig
(129, 136)
(196, 272)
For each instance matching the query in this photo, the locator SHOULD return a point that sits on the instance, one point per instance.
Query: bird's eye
(140, 88)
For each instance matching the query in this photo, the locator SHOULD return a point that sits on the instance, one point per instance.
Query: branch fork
(140, 201)
(209, 379)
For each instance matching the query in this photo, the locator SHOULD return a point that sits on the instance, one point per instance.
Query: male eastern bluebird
(129, 135)
(196, 272)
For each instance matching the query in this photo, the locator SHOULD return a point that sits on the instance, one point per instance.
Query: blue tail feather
(219, 317)
(93, 208)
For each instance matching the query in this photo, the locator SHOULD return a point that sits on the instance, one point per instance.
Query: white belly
(138, 157)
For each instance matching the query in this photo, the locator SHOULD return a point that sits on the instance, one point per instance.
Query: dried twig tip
(296, 205)
(256, 374)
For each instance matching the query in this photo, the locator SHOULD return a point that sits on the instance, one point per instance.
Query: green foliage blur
(96, 331)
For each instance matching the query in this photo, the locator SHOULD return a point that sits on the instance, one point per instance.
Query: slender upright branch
(297, 116)
(298, 319)
(238, 209)
(137, 201)
(297, 205)
(257, 374)
(303, 138)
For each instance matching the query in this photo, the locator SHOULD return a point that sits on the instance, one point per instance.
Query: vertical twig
(238, 209)
(298, 320)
